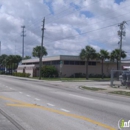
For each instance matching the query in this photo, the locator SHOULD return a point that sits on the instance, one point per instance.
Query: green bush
(49, 71)
(2, 72)
(21, 74)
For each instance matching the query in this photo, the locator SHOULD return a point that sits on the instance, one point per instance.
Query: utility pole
(0, 48)
(41, 53)
(15, 49)
(23, 35)
(121, 33)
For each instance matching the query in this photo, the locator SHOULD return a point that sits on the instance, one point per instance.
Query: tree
(37, 53)
(103, 55)
(115, 55)
(27, 57)
(49, 71)
(37, 50)
(87, 54)
(2, 57)
(18, 59)
(3, 60)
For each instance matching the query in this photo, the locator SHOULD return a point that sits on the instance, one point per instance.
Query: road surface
(34, 105)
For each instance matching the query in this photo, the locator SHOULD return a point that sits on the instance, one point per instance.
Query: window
(47, 63)
(82, 62)
(77, 62)
(92, 63)
(66, 62)
(57, 62)
(71, 62)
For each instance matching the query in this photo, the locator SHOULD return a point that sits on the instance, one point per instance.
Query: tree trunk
(102, 69)
(87, 69)
(11, 67)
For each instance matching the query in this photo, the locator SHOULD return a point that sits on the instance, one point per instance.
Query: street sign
(61, 62)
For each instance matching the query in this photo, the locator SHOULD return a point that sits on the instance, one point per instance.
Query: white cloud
(66, 23)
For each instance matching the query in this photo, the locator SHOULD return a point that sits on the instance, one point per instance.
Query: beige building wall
(68, 70)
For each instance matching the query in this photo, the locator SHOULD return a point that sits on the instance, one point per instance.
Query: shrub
(49, 71)
(21, 74)
(2, 72)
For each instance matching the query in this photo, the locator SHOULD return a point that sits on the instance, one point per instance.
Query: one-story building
(68, 65)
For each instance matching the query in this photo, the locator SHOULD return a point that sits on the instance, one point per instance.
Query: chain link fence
(120, 78)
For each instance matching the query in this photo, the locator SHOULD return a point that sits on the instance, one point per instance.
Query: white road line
(81, 97)
(49, 104)
(20, 92)
(28, 95)
(64, 110)
(10, 88)
(37, 99)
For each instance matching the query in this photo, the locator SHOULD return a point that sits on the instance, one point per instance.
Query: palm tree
(37, 51)
(103, 55)
(27, 57)
(3, 60)
(115, 55)
(87, 54)
(9, 62)
(18, 59)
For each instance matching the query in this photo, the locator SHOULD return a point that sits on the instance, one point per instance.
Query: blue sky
(119, 1)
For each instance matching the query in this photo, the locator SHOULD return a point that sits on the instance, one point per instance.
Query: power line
(89, 31)
(77, 10)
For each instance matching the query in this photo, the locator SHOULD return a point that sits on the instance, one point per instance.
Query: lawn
(92, 88)
(73, 79)
(121, 93)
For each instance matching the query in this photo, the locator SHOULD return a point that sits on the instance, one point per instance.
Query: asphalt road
(34, 105)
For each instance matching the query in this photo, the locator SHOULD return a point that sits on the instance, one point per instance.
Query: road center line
(28, 95)
(81, 97)
(20, 92)
(64, 110)
(22, 104)
(49, 104)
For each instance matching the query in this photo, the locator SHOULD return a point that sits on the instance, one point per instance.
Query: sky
(70, 25)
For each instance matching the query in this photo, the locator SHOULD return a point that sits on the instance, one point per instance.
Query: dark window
(71, 62)
(82, 62)
(57, 62)
(77, 62)
(92, 63)
(47, 63)
(66, 62)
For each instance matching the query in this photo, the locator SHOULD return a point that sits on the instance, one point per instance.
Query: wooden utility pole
(41, 53)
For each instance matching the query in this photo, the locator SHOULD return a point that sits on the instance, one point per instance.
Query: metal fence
(120, 78)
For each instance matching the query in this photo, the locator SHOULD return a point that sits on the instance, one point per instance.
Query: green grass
(121, 93)
(92, 88)
(72, 79)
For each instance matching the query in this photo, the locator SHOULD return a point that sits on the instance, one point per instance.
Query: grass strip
(121, 93)
(92, 88)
